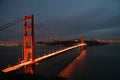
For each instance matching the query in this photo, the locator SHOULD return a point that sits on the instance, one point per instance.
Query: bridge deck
(12, 68)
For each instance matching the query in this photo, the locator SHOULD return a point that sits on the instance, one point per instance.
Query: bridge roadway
(15, 67)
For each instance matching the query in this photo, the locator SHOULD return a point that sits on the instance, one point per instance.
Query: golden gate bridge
(29, 58)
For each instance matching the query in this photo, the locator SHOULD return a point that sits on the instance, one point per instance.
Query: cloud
(104, 33)
(67, 17)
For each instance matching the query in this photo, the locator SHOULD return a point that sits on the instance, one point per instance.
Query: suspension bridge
(28, 42)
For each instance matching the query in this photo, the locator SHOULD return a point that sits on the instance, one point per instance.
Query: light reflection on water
(69, 73)
(98, 63)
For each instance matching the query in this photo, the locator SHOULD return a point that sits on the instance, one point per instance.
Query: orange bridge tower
(29, 43)
(82, 42)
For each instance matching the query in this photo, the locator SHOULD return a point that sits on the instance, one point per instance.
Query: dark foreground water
(95, 63)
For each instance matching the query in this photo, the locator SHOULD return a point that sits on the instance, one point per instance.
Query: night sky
(68, 19)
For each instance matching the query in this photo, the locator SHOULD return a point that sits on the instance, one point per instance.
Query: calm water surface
(98, 63)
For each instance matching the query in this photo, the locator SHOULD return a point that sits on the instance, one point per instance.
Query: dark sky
(95, 19)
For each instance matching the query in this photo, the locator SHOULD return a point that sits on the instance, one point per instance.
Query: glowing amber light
(68, 72)
(40, 58)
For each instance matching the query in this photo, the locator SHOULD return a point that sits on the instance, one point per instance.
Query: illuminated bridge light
(12, 68)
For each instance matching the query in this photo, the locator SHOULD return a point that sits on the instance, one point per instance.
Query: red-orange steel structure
(29, 42)
(82, 42)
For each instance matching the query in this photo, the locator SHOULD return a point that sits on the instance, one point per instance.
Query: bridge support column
(29, 43)
(82, 42)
